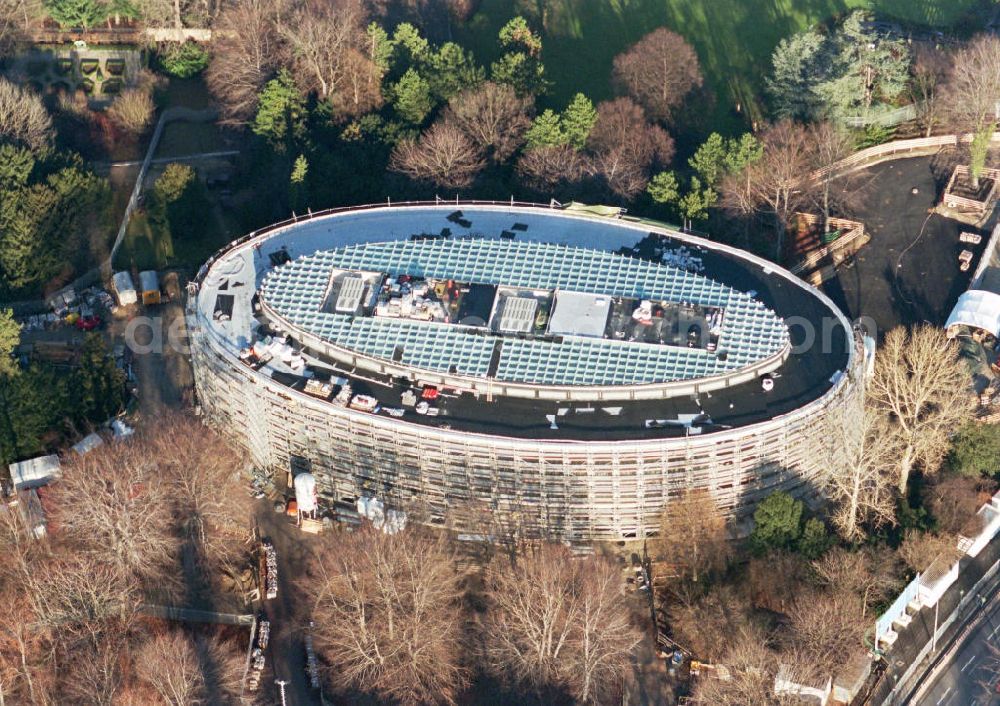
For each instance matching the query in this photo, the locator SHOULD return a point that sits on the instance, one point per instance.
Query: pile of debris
(257, 655)
(270, 570)
(312, 665)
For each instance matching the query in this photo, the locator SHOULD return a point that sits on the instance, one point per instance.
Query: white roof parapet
(976, 308)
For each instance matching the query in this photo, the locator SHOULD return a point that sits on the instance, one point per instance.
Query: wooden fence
(877, 153)
(952, 200)
(853, 231)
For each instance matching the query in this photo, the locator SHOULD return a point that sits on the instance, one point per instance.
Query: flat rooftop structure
(682, 333)
(573, 349)
(580, 314)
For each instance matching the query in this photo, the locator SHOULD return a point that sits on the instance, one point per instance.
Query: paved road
(972, 669)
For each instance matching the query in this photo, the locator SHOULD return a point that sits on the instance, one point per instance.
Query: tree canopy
(46, 209)
(777, 523)
(10, 337)
(184, 60)
(845, 73)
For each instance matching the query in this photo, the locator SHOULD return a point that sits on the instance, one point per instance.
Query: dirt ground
(164, 378)
(908, 272)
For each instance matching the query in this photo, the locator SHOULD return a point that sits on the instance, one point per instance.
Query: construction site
(520, 369)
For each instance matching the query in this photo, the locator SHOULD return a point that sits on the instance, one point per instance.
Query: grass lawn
(155, 248)
(734, 38)
(144, 247)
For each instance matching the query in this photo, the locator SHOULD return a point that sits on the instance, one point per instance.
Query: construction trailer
(149, 285)
(124, 288)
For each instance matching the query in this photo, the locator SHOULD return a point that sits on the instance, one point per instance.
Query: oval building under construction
(524, 369)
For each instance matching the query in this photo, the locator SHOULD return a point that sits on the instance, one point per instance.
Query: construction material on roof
(595, 210)
(124, 288)
(351, 291)
(748, 333)
(35, 472)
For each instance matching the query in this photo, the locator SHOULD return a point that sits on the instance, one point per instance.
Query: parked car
(88, 323)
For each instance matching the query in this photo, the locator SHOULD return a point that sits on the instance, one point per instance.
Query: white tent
(305, 492)
(34, 472)
(976, 308)
(124, 288)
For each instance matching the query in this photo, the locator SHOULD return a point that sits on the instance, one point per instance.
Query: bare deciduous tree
(15, 17)
(326, 42)
(833, 193)
(388, 615)
(211, 506)
(775, 185)
(94, 675)
(185, 670)
(693, 536)
(82, 600)
(493, 116)
(658, 71)
(827, 626)
(768, 578)
(113, 506)
(548, 168)
(922, 386)
(132, 110)
(23, 117)
(920, 549)
(751, 665)
(698, 621)
(930, 68)
(557, 622)
(870, 574)
(625, 146)
(860, 472)
(971, 95)
(443, 155)
(954, 500)
(169, 664)
(246, 51)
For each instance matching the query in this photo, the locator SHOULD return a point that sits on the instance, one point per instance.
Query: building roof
(821, 339)
(977, 308)
(574, 353)
(34, 472)
(580, 314)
